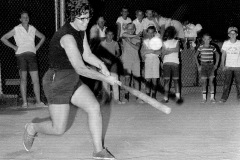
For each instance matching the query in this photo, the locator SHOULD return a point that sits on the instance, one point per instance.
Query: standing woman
(68, 51)
(25, 50)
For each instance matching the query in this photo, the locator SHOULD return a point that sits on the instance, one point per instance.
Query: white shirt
(147, 23)
(25, 40)
(123, 23)
(96, 31)
(139, 25)
(172, 57)
(232, 53)
(164, 22)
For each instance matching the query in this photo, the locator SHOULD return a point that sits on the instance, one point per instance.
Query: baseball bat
(153, 102)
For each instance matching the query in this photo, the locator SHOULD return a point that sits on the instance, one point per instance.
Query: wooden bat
(153, 102)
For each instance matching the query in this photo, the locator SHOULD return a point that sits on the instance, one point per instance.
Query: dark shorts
(59, 85)
(27, 61)
(171, 70)
(207, 70)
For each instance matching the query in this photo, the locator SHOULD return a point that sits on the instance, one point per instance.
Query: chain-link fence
(214, 15)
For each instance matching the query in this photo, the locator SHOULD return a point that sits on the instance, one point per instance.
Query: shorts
(132, 68)
(60, 85)
(27, 61)
(171, 69)
(207, 70)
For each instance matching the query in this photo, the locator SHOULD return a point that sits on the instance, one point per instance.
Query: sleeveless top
(58, 58)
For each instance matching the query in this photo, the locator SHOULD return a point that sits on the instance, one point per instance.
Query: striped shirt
(206, 53)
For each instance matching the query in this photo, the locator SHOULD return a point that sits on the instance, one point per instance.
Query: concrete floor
(192, 131)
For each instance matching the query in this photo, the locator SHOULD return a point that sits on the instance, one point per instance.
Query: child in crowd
(130, 59)
(170, 57)
(139, 31)
(150, 20)
(108, 52)
(209, 59)
(152, 63)
(139, 21)
(231, 63)
(122, 22)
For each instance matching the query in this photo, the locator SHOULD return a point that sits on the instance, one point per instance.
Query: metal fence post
(62, 12)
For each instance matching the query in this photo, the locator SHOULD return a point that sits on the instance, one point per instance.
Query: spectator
(25, 50)
(150, 20)
(152, 63)
(109, 53)
(139, 21)
(131, 61)
(122, 22)
(170, 57)
(231, 63)
(97, 33)
(209, 59)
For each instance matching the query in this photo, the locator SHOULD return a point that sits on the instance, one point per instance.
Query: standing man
(25, 50)
(68, 52)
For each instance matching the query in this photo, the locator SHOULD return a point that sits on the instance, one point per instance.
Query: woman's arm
(118, 30)
(5, 40)
(135, 46)
(170, 50)
(42, 39)
(70, 46)
(127, 35)
(90, 58)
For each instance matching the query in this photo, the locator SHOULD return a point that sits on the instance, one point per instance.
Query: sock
(178, 95)
(212, 95)
(204, 95)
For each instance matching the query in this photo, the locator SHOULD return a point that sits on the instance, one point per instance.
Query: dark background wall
(214, 15)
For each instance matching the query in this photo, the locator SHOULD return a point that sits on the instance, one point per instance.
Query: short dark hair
(24, 12)
(169, 33)
(125, 7)
(137, 11)
(77, 8)
(110, 29)
(130, 24)
(206, 34)
(152, 28)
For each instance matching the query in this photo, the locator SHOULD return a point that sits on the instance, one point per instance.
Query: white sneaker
(41, 105)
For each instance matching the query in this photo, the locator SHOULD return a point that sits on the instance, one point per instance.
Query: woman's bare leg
(85, 99)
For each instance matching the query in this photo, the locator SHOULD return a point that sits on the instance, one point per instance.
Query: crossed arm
(166, 51)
